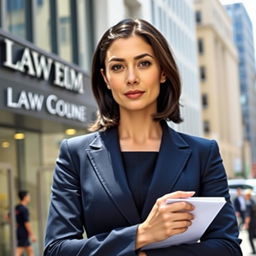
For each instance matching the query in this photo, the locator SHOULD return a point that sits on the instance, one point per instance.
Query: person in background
(250, 218)
(240, 206)
(24, 230)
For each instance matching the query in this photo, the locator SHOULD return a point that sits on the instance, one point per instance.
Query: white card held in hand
(206, 209)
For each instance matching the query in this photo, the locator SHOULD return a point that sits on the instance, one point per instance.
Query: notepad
(206, 209)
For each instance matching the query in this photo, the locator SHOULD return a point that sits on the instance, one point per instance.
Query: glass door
(7, 211)
(44, 182)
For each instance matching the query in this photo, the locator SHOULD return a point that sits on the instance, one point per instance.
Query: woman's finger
(176, 207)
(174, 195)
(181, 216)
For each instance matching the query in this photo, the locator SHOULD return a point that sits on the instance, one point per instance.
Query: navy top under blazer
(90, 192)
(139, 168)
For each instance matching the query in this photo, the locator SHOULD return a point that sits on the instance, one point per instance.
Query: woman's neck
(138, 132)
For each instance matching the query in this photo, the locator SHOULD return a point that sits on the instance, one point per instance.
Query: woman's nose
(132, 76)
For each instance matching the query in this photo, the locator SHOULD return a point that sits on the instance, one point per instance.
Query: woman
(114, 182)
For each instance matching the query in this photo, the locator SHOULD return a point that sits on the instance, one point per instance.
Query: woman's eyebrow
(136, 57)
(142, 56)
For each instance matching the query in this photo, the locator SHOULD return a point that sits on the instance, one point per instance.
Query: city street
(246, 248)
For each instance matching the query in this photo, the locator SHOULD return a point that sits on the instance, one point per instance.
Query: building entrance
(31, 157)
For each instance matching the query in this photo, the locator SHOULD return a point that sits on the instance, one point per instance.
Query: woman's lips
(134, 94)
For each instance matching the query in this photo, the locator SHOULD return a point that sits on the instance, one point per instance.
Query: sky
(250, 6)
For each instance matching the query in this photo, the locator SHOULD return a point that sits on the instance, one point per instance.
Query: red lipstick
(134, 94)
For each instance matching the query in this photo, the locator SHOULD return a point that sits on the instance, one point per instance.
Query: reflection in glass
(83, 36)
(5, 243)
(7, 156)
(42, 24)
(15, 17)
(64, 25)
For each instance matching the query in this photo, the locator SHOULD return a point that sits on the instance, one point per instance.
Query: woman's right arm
(65, 221)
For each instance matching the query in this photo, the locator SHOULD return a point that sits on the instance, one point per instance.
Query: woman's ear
(104, 77)
(163, 77)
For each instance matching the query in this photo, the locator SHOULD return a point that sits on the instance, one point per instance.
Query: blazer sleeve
(64, 231)
(221, 237)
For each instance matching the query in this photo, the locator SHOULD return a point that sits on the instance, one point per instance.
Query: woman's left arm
(221, 237)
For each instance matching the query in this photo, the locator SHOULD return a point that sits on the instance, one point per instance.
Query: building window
(16, 18)
(198, 17)
(205, 102)
(200, 46)
(85, 32)
(64, 30)
(42, 24)
(202, 73)
(64, 27)
(207, 127)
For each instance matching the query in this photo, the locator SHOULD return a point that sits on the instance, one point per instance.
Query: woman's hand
(165, 220)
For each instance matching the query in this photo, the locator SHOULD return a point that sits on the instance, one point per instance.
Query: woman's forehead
(127, 47)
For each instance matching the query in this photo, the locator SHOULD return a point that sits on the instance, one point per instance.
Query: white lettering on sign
(62, 108)
(54, 105)
(8, 62)
(27, 100)
(40, 66)
(67, 78)
(26, 63)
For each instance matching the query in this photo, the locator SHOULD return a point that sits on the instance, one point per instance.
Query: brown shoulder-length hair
(170, 91)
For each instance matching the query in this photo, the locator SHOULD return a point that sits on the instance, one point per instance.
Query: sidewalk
(246, 248)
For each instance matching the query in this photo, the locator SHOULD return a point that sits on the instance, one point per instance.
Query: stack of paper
(206, 209)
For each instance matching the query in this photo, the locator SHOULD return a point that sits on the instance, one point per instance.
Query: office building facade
(45, 96)
(243, 38)
(218, 66)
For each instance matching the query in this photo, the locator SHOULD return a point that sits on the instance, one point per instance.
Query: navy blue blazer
(90, 192)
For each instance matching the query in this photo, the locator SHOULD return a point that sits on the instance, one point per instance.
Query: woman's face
(133, 74)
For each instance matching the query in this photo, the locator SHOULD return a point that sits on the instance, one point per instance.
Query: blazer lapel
(173, 155)
(106, 159)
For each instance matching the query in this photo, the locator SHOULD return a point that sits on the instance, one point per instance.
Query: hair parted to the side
(168, 107)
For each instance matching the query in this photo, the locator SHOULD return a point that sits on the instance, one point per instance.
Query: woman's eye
(117, 67)
(145, 63)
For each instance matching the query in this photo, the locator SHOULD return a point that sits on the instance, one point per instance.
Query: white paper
(206, 209)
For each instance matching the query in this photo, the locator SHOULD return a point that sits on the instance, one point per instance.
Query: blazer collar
(105, 155)
(173, 156)
(106, 158)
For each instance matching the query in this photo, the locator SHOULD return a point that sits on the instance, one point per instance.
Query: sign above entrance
(54, 106)
(38, 65)
(42, 85)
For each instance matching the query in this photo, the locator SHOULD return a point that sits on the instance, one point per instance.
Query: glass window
(85, 51)
(202, 73)
(20, 149)
(207, 127)
(64, 27)
(42, 25)
(15, 17)
(198, 17)
(205, 100)
(200, 46)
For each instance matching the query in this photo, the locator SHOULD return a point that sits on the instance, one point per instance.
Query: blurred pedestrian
(250, 218)
(240, 206)
(24, 230)
(114, 182)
